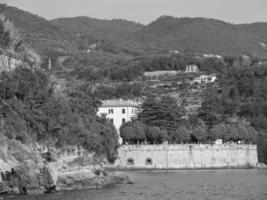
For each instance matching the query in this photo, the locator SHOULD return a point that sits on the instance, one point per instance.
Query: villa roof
(191, 66)
(120, 103)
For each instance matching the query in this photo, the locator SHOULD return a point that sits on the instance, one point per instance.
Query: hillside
(114, 36)
(201, 35)
(32, 111)
(38, 32)
(168, 33)
(205, 36)
(113, 30)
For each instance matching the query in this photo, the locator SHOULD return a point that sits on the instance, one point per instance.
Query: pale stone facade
(191, 69)
(119, 111)
(8, 62)
(186, 156)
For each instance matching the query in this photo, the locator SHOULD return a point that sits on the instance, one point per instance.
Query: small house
(191, 69)
(204, 79)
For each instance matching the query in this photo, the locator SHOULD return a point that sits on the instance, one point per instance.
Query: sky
(145, 11)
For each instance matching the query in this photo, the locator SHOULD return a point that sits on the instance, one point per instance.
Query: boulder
(261, 166)
(117, 178)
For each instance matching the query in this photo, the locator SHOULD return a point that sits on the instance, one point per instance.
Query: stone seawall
(187, 156)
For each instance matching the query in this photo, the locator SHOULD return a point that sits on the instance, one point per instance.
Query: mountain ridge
(203, 34)
(166, 33)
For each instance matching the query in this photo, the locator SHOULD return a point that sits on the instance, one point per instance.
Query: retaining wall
(186, 156)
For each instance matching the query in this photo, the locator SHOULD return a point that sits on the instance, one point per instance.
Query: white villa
(191, 69)
(119, 111)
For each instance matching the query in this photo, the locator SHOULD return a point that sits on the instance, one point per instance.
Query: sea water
(175, 185)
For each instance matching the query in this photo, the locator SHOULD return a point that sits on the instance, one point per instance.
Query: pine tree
(163, 113)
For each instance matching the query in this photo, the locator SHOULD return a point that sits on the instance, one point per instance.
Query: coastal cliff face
(188, 156)
(26, 170)
(13, 153)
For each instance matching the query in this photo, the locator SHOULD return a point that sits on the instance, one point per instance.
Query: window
(123, 121)
(110, 111)
(149, 161)
(123, 111)
(112, 121)
(130, 161)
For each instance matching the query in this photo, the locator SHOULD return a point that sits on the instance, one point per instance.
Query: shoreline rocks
(36, 172)
(261, 166)
(49, 180)
(85, 179)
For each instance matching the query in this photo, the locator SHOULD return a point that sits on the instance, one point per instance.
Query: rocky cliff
(27, 170)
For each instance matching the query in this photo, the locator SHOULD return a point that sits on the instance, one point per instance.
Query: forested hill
(113, 30)
(113, 36)
(200, 35)
(168, 33)
(39, 33)
(206, 35)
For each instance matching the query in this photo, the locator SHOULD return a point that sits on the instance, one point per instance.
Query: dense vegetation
(31, 112)
(234, 110)
(121, 90)
(242, 95)
(11, 42)
(161, 120)
(199, 35)
(99, 67)
(38, 32)
(109, 35)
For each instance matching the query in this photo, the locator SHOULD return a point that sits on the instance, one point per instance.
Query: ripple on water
(174, 185)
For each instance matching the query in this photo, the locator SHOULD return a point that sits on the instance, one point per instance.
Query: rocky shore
(85, 179)
(38, 173)
(46, 179)
(261, 166)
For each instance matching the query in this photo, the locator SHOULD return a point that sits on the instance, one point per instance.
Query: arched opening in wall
(130, 161)
(149, 161)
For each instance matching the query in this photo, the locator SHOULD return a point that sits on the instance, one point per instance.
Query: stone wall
(186, 156)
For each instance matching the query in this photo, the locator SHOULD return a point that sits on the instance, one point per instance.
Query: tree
(163, 113)
(155, 135)
(245, 132)
(200, 133)
(31, 112)
(181, 134)
(211, 110)
(212, 65)
(133, 132)
(262, 146)
(219, 132)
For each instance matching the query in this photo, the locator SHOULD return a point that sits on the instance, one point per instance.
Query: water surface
(177, 185)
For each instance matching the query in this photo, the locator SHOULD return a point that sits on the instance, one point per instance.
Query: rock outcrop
(261, 166)
(37, 173)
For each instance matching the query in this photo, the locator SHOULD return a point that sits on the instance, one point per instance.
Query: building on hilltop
(212, 56)
(119, 111)
(191, 69)
(161, 73)
(9, 61)
(204, 79)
